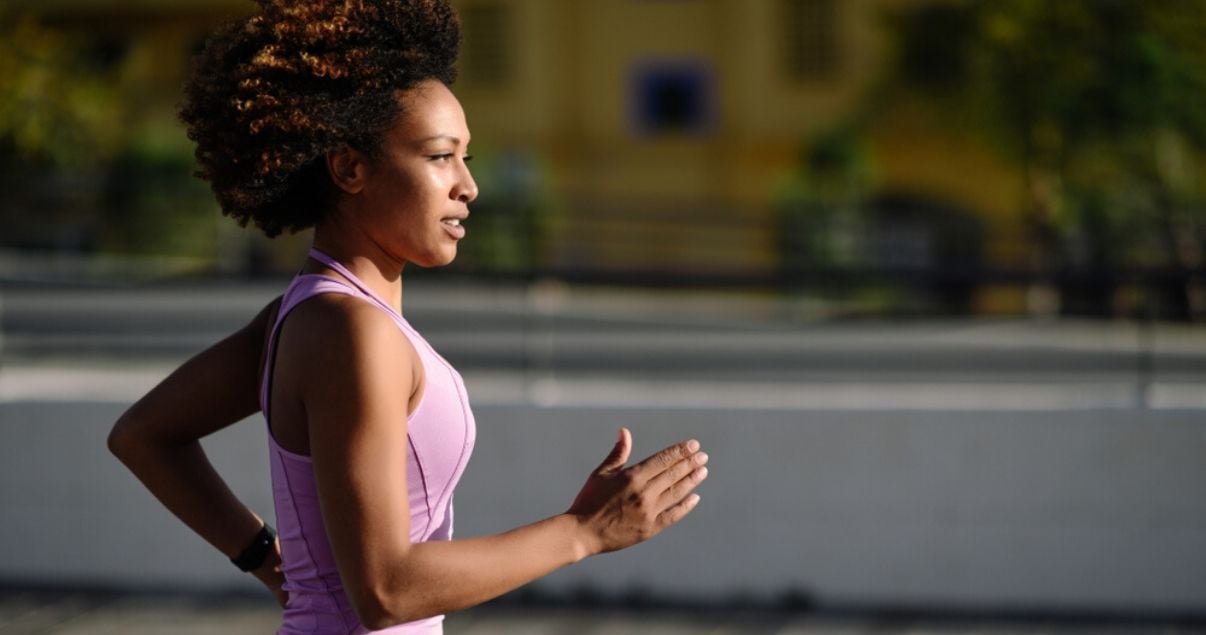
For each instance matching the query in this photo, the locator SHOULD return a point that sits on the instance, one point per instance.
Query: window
(672, 97)
(811, 42)
(486, 60)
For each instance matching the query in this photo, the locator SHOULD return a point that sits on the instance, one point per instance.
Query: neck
(363, 257)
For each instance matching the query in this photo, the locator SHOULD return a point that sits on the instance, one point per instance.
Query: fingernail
(701, 458)
(694, 498)
(692, 445)
(702, 473)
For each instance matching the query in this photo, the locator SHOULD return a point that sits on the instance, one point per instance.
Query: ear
(348, 168)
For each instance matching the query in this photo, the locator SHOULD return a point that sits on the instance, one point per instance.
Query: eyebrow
(443, 137)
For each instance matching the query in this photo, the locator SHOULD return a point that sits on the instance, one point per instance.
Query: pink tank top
(440, 435)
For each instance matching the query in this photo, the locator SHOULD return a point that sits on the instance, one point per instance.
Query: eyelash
(443, 157)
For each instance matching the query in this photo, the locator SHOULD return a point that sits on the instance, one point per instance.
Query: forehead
(430, 110)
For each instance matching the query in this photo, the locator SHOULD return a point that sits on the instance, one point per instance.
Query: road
(73, 613)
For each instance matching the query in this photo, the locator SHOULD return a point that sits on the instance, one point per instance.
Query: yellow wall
(572, 90)
(570, 101)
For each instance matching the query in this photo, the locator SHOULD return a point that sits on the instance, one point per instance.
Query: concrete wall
(1083, 510)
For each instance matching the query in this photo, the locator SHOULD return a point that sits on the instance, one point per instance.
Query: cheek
(433, 185)
(414, 187)
(395, 195)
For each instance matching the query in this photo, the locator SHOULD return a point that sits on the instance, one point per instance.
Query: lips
(453, 227)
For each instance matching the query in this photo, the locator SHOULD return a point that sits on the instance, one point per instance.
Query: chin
(438, 259)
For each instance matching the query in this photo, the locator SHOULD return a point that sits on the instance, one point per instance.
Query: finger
(683, 486)
(677, 512)
(656, 464)
(664, 481)
(619, 454)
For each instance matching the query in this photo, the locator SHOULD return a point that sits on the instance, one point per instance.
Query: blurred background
(925, 276)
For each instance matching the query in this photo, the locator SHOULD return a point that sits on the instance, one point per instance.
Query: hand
(270, 574)
(621, 506)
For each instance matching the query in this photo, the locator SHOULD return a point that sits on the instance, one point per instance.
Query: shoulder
(338, 334)
(341, 315)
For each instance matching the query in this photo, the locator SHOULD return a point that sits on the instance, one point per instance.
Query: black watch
(254, 555)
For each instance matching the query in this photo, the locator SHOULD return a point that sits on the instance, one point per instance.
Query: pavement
(79, 613)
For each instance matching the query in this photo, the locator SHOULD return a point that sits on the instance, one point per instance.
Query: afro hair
(271, 94)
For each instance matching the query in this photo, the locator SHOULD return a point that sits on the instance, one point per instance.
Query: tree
(82, 168)
(54, 106)
(1099, 104)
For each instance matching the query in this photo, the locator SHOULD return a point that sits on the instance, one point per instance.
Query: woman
(338, 116)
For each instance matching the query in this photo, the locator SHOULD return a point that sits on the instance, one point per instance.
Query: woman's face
(416, 193)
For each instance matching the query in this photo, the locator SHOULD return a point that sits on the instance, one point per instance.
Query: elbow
(119, 441)
(380, 609)
(378, 618)
(124, 442)
(376, 614)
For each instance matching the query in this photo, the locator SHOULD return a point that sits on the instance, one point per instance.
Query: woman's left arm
(158, 439)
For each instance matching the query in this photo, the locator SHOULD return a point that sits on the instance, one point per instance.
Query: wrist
(583, 540)
(271, 565)
(256, 554)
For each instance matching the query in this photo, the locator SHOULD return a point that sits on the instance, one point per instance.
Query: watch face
(255, 553)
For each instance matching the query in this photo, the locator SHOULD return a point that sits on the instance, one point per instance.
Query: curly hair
(272, 93)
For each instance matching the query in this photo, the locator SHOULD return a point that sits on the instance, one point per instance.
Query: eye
(448, 156)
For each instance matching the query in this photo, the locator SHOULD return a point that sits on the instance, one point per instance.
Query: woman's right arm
(355, 384)
(158, 439)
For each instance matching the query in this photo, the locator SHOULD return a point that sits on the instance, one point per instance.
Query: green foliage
(54, 104)
(1098, 101)
(152, 205)
(85, 167)
(1048, 79)
(821, 207)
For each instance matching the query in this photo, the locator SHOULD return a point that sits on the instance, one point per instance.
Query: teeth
(455, 222)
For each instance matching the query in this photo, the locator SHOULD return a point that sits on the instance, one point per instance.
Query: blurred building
(673, 129)
(672, 133)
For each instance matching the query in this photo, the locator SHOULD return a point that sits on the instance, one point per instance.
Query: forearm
(617, 508)
(182, 478)
(157, 438)
(442, 576)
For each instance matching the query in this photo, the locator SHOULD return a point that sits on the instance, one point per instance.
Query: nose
(466, 190)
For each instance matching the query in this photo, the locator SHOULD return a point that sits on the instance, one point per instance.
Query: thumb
(618, 455)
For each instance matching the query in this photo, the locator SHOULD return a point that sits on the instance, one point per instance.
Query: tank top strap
(363, 288)
(368, 293)
(305, 286)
